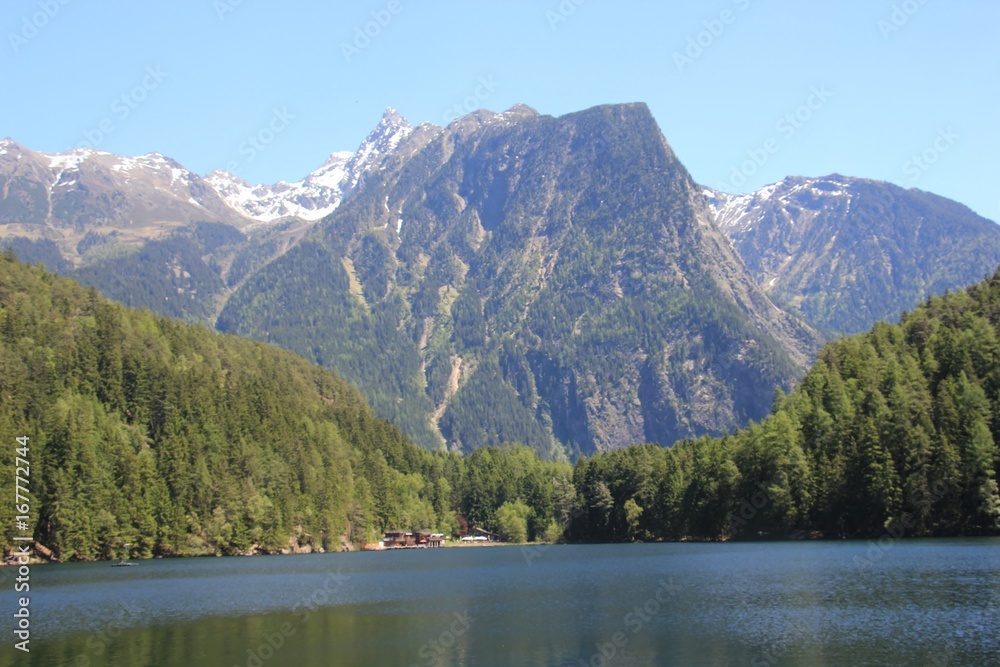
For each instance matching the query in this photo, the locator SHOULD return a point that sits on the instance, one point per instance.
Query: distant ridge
(846, 252)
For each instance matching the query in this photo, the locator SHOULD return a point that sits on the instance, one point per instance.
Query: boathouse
(398, 539)
(412, 539)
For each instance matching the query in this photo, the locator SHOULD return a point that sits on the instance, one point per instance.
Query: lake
(922, 602)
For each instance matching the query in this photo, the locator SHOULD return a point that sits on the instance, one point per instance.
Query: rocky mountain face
(143, 230)
(846, 252)
(516, 277)
(91, 190)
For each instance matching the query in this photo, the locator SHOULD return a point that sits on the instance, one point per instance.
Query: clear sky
(888, 80)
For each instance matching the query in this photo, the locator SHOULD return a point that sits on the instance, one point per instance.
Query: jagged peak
(393, 117)
(391, 128)
(382, 140)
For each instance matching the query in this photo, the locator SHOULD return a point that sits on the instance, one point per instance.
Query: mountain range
(846, 252)
(560, 282)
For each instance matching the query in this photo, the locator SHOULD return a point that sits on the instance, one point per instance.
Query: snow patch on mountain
(730, 211)
(312, 198)
(764, 194)
(64, 161)
(152, 164)
(321, 192)
(381, 143)
(739, 213)
(90, 187)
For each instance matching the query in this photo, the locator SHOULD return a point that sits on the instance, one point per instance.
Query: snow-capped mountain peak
(380, 143)
(322, 191)
(312, 198)
(392, 117)
(739, 213)
(94, 188)
(836, 249)
(332, 173)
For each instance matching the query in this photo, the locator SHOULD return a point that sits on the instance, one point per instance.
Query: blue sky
(746, 91)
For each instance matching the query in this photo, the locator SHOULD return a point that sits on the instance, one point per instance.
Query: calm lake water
(819, 603)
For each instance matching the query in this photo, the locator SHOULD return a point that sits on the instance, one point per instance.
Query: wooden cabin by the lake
(416, 539)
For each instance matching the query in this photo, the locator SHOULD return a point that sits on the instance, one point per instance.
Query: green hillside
(182, 441)
(893, 431)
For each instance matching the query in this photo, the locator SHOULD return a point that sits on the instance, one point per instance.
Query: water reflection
(926, 603)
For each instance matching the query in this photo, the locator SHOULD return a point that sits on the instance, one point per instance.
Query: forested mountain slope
(557, 282)
(182, 441)
(892, 432)
(179, 440)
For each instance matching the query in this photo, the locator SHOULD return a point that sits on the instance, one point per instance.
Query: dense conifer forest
(895, 429)
(181, 441)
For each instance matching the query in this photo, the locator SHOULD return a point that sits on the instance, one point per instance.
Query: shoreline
(5, 566)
